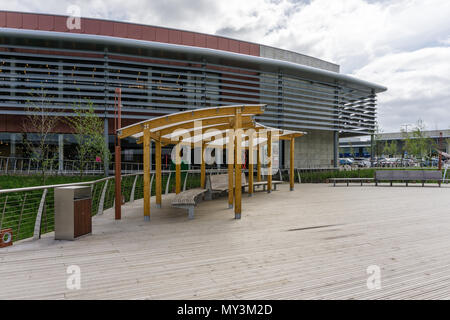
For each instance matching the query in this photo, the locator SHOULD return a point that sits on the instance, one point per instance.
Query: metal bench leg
(406, 183)
(347, 183)
(423, 183)
(334, 183)
(275, 187)
(391, 183)
(191, 212)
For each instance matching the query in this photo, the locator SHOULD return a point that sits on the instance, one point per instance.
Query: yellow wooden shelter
(234, 129)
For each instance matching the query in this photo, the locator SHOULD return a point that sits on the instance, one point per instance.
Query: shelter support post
(250, 164)
(230, 161)
(237, 164)
(258, 163)
(158, 173)
(146, 151)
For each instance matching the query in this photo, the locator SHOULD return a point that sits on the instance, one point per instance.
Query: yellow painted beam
(230, 161)
(130, 130)
(146, 150)
(258, 163)
(219, 127)
(158, 173)
(238, 165)
(251, 161)
(209, 123)
(186, 116)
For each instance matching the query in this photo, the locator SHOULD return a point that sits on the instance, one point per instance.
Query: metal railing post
(185, 180)
(102, 198)
(3, 212)
(37, 224)
(168, 182)
(133, 189)
(21, 214)
(151, 183)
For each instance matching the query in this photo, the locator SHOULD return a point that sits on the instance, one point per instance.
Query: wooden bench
(348, 180)
(217, 183)
(408, 175)
(264, 184)
(214, 184)
(189, 199)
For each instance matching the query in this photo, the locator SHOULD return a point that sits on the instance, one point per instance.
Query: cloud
(419, 86)
(402, 44)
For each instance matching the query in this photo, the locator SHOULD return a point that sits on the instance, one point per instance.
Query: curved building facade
(161, 71)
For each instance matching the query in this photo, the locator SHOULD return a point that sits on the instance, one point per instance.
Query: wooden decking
(313, 243)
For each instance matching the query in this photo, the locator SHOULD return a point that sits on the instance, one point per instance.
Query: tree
(88, 133)
(416, 143)
(38, 125)
(377, 144)
(390, 148)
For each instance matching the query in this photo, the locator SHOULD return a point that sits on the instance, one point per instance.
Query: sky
(401, 44)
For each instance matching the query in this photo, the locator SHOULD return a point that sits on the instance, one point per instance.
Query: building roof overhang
(133, 47)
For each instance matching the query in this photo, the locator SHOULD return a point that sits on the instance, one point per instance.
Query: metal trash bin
(73, 206)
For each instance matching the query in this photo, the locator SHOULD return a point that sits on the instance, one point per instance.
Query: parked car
(345, 161)
(362, 162)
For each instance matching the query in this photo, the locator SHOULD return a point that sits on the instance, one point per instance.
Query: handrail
(81, 183)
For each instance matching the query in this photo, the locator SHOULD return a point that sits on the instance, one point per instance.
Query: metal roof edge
(108, 40)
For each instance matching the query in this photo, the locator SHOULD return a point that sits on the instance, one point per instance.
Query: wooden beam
(238, 164)
(158, 173)
(251, 160)
(230, 161)
(209, 123)
(130, 130)
(146, 150)
(219, 127)
(186, 116)
(291, 164)
(269, 167)
(258, 163)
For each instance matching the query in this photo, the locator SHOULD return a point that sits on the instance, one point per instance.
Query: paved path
(313, 243)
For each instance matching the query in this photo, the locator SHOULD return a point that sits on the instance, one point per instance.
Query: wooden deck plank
(324, 256)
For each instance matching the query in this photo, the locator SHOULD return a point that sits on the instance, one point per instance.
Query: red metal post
(118, 151)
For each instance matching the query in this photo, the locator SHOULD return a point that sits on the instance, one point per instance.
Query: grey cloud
(398, 43)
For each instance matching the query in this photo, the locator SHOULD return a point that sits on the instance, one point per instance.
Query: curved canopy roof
(209, 125)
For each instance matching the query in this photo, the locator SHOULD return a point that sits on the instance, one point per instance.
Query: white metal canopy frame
(226, 127)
